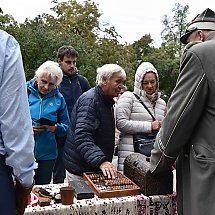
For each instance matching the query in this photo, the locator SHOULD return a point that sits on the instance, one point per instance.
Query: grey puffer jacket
(132, 117)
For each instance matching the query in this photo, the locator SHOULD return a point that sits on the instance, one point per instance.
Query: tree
(110, 51)
(8, 23)
(39, 42)
(143, 47)
(78, 24)
(167, 57)
(175, 27)
(81, 19)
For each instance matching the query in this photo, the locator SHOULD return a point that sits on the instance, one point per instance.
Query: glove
(21, 197)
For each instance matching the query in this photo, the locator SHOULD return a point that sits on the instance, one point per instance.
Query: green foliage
(78, 24)
(8, 23)
(174, 27)
(110, 51)
(167, 67)
(80, 19)
(39, 42)
(143, 47)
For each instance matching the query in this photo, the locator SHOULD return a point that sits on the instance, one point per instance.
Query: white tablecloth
(129, 205)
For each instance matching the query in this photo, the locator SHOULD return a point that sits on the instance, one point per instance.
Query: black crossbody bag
(143, 143)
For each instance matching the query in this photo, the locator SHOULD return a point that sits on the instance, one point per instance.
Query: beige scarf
(153, 98)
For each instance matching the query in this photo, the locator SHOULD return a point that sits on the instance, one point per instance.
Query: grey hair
(107, 71)
(52, 68)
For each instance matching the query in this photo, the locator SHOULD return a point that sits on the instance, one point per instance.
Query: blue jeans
(43, 174)
(7, 191)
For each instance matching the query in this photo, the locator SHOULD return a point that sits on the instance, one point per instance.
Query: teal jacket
(52, 107)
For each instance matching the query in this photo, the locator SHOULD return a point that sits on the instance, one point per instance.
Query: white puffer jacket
(132, 117)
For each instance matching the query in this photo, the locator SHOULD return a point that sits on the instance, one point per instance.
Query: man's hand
(21, 197)
(108, 169)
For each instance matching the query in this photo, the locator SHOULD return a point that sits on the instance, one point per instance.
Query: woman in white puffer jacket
(132, 117)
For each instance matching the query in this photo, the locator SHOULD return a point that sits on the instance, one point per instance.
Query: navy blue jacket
(72, 87)
(90, 139)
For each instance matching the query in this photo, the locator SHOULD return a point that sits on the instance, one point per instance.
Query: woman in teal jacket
(49, 117)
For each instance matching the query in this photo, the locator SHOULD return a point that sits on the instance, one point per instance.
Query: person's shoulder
(28, 82)
(161, 101)
(88, 94)
(59, 94)
(127, 94)
(85, 85)
(191, 45)
(83, 79)
(126, 97)
(87, 99)
(4, 35)
(9, 39)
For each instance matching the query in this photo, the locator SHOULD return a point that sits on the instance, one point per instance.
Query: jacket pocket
(203, 153)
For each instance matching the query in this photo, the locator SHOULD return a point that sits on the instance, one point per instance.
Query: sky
(132, 19)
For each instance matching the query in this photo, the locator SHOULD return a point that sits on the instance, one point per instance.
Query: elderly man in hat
(200, 28)
(187, 132)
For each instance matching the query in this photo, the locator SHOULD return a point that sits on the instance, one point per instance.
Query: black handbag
(143, 143)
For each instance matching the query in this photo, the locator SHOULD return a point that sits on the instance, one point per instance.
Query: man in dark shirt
(72, 86)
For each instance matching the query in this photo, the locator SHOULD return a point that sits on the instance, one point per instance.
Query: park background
(80, 24)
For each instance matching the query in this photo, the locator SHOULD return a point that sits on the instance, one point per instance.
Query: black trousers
(43, 174)
(59, 172)
(7, 191)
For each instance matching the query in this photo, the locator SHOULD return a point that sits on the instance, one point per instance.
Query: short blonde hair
(52, 68)
(107, 71)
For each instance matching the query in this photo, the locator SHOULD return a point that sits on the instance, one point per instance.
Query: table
(129, 205)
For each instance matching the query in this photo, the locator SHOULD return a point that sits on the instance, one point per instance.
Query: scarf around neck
(153, 98)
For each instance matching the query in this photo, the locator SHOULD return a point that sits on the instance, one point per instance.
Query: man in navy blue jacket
(72, 86)
(90, 140)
